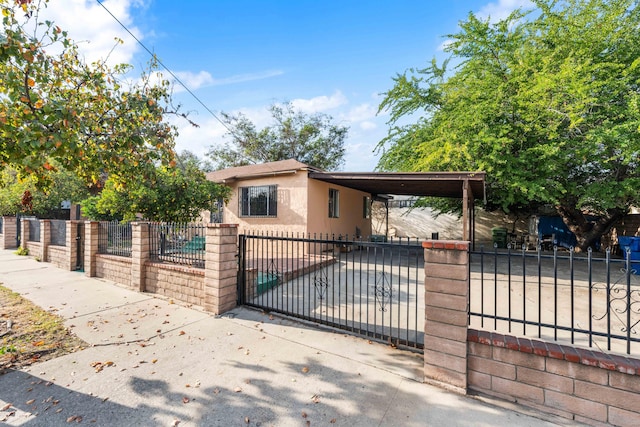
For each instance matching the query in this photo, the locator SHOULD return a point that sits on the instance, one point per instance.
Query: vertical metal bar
(524, 291)
(590, 284)
(629, 307)
(495, 286)
(555, 293)
(482, 312)
(572, 298)
(539, 251)
(242, 270)
(360, 288)
(509, 285)
(608, 262)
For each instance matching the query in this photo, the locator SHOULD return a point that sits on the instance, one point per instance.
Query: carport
(468, 186)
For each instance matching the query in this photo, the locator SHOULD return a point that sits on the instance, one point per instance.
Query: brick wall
(214, 287)
(114, 268)
(177, 282)
(591, 387)
(58, 256)
(587, 386)
(9, 232)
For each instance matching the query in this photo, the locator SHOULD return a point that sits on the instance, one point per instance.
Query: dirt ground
(29, 334)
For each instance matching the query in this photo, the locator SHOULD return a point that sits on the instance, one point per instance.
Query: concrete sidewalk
(165, 364)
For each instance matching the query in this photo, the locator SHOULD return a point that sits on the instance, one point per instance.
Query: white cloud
(94, 30)
(361, 113)
(444, 45)
(368, 125)
(201, 79)
(194, 80)
(320, 103)
(501, 9)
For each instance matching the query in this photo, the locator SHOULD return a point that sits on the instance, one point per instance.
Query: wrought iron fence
(58, 231)
(114, 238)
(178, 243)
(587, 299)
(367, 286)
(34, 229)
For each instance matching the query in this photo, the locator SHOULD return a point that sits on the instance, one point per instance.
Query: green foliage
(545, 102)
(7, 349)
(311, 139)
(57, 112)
(63, 186)
(22, 251)
(176, 194)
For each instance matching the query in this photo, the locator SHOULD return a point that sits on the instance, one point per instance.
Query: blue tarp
(548, 225)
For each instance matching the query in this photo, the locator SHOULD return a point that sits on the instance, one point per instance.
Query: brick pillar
(24, 232)
(45, 239)
(446, 269)
(72, 245)
(90, 247)
(221, 268)
(139, 254)
(9, 232)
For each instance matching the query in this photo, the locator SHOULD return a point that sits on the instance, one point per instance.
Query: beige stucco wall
(292, 205)
(303, 207)
(351, 211)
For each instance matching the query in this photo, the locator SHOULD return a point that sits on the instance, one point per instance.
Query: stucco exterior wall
(292, 205)
(351, 211)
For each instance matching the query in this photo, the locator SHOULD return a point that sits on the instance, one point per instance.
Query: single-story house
(282, 197)
(294, 197)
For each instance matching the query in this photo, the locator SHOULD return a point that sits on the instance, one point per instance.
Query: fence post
(24, 232)
(45, 239)
(90, 247)
(446, 269)
(221, 268)
(139, 254)
(71, 245)
(9, 232)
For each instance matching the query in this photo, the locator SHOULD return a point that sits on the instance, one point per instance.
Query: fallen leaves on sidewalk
(99, 366)
(34, 334)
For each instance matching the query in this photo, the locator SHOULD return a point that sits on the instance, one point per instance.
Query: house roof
(435, 184)
(260, 170)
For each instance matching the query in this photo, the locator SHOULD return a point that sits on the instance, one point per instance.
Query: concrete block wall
(177, 282)
(9, 232)
(221, 268)
(214, 287)
(114, 268)
(591, 387)
(446, 300)
(58, 256)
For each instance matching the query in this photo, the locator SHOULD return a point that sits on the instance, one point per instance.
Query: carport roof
(434, 184)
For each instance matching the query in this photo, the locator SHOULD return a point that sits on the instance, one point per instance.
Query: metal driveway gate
(373, 289)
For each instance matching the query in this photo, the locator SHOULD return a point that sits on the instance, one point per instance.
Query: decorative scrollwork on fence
(321, 282)
(383, 291)
(623, 300)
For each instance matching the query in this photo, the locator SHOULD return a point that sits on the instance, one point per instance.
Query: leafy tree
(546, 102)
(311, 139)
(56, 111)
(64, 186)
(176, 194)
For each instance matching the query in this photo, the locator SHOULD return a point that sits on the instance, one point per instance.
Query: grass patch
(29, 334)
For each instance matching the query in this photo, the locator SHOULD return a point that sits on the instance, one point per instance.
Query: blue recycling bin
(631, 246)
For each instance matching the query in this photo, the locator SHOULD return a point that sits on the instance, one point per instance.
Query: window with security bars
(334, 203)
(259, 201)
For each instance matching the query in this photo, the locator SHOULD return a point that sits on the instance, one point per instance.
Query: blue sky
(332, 57)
